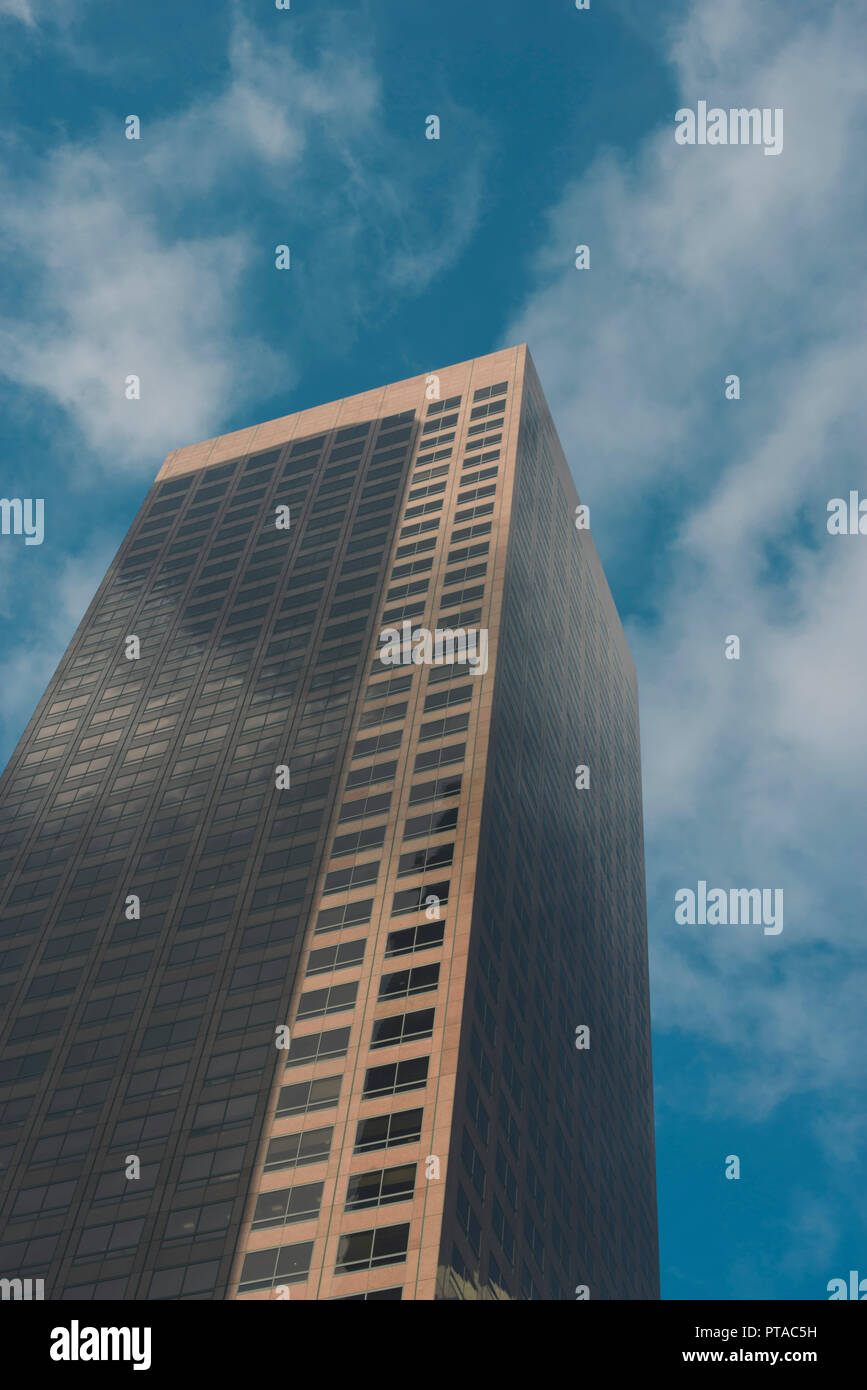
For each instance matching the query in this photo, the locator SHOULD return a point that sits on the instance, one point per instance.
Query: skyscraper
(323, 936)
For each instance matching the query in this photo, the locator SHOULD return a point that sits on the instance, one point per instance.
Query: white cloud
(707, 261)
(271, 111)
(118, 298)
(151, 258)
(36, 13)
(115, 290)
(18, 9)
(143, 257)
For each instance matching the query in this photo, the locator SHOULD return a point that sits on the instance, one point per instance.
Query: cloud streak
(707, 262)
(151, 257)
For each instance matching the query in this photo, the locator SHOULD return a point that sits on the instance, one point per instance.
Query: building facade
(323, 954)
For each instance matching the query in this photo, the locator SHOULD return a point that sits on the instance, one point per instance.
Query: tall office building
(324, 976)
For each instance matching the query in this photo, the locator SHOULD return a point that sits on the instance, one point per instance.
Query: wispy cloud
(120, 299)
(706, 261)
(37, 13)
(162, 249)
(18, 9)
(155, 258)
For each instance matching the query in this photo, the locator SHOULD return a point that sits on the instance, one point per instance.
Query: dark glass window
(420, 938)
(293, 1150)
(385, 1245)
(400, 1028)
(316, 1047)
(332, 1000)
(416, 980)
(380, 1187)
(339, 957)
(285, 1264)
(287, 1205)
(308, 1095)
(394, 1077)
(386, 1131)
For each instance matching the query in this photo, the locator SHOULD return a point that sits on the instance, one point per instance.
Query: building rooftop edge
(352, 409)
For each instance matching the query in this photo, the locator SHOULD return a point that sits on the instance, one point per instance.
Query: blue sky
(261, 127)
